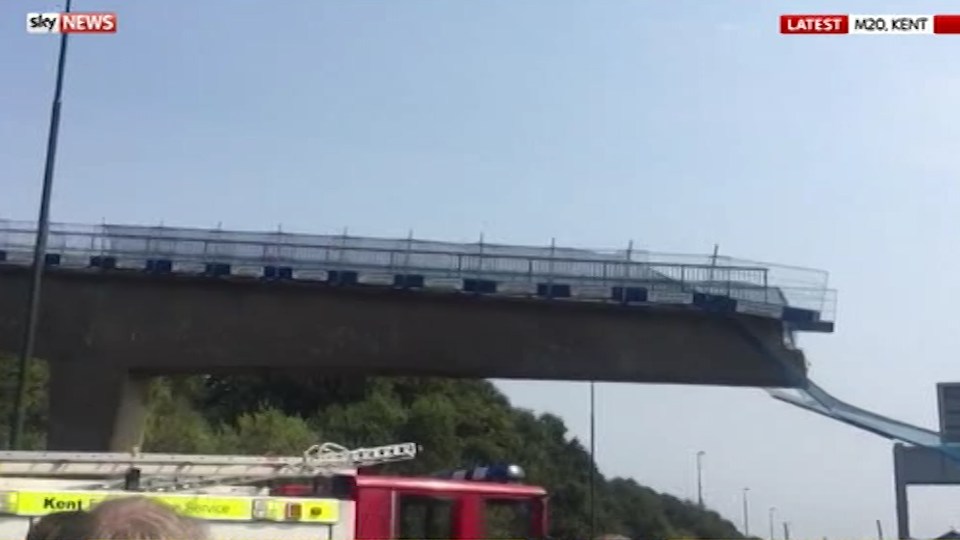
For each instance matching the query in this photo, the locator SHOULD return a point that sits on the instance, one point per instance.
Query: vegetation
(458, 422)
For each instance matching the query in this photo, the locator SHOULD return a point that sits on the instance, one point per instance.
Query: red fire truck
(330, 492)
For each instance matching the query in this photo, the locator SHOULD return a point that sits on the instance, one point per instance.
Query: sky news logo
(72, 23)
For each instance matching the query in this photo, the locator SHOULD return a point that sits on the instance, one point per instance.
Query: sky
(677, 124)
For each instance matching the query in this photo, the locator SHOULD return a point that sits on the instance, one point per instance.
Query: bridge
(124, 303)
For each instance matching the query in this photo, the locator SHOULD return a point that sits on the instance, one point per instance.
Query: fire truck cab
(328, 493)
(483, 503)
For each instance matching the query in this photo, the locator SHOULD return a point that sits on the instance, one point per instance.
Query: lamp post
(39, 256)
(773, 510)
(746, 512)
(700, 455)
(593, 464)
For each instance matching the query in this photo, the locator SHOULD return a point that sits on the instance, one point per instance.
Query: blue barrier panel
(714, 302)
(800, 316)
(553, 290)
(217, 269)
(342, 277)
(159, 266)
(408, 281)
(818, 326)
(629, 294)
(51, 259)
(480, 286)
(277, 272)
(106, 263)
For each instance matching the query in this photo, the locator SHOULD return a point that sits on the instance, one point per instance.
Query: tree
(173, 424)
(37, 406)
(267, 431)
(432, 417)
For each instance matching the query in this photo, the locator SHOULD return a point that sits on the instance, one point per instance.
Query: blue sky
(677, 124)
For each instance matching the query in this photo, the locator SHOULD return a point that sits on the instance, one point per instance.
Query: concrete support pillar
(95, 407)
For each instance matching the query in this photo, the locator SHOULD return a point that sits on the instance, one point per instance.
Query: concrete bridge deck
(106, 329)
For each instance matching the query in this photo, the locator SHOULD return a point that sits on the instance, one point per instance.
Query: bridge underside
(105, 334)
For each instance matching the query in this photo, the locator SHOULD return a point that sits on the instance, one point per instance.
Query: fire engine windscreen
(507, 519)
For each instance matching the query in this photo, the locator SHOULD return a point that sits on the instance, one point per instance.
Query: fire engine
(328, 493)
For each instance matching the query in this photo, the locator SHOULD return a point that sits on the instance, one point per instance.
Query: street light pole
(700, 455)
(746, 513)
(39, 256)
(593, 464)
(773, 510)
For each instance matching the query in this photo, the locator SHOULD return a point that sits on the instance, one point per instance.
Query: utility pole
(713, 261)
(39, 256)
(593, 464)
(700, 455)
(746, 513)
(879, 530)
(773, 510)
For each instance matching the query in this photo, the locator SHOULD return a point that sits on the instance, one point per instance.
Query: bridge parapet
(798, 296)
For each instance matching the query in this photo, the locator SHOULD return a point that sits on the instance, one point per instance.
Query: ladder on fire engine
(182, 471)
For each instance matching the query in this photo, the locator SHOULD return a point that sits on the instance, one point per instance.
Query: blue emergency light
(501, 472)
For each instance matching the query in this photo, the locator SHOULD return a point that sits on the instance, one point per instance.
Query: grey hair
(140, 518)
(73, 525)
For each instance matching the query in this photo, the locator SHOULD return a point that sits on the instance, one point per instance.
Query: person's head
(139, 518)
(75, 525)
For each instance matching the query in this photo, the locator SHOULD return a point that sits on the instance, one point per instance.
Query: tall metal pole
(786, 530)
(593, 465)
(773, 510)
(39, 256)
(746, 513)
(713, 261)
(700, 455)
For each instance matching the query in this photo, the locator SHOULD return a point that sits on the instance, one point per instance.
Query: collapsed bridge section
(121, 304)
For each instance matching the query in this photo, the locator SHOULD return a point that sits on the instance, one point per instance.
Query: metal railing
(184, 246)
